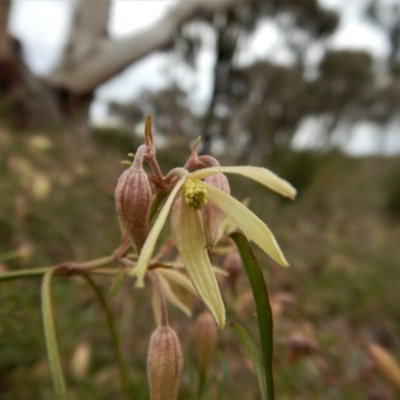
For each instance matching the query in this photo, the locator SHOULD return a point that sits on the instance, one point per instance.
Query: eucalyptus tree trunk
(24, 97)
(91, 57)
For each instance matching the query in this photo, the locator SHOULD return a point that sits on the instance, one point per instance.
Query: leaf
(263, 308)
(51, 338)
(254, 355)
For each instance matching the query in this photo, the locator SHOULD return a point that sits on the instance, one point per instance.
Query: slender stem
(176, 172)
(51, 337)
(139, 156)
(24, 273)
(164, 250)
(161, 299)
(127, 263)
(113, 333)
(200, 389)
(209, 159)
(108, 271)
(151, 150)
(156, 168)
(93, 264)
(124, 247)
(65, 269)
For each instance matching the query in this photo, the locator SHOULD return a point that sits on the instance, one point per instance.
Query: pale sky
(42, 27)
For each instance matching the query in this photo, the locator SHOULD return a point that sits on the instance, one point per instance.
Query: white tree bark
(88, 29)
(92, 58)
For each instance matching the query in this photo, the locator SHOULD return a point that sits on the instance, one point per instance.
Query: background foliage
(341, 235)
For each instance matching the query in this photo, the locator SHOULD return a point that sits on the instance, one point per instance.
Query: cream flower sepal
(190, 236)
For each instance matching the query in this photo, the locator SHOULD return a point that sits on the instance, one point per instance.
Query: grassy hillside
(341, 292)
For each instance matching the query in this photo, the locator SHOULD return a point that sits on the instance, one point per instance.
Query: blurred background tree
(90, 58)
(255, 109)
(340, 235)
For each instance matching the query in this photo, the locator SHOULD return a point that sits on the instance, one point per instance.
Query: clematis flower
(190, 237)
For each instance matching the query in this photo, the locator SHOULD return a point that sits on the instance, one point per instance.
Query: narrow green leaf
(254, 355)
(51, 338)
(113, 333)
(116, 285)
(263, 308)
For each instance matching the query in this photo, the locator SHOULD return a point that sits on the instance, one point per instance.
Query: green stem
(51, 338)
(24, 273)
(201, 386)
(263, 307)
(97, 263)
(113, 333)
(106, 271)
(62, 269)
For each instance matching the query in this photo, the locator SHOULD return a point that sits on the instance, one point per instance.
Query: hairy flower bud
(164, 364)
(133, 200)
(212, 215)
(205, 339)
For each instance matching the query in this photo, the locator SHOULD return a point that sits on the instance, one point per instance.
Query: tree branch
(112, 56)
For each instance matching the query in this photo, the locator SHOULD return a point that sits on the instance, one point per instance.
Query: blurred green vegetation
(341, 237)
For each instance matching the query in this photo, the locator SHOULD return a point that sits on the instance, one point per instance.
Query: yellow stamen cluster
(194, 194)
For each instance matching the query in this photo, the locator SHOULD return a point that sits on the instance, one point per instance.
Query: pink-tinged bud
(133, 200)
(212, 215)
(164, 364)
(205, 339)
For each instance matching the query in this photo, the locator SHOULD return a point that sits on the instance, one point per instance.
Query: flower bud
(212, 215)
(164, 364)
(133, 200)
(205, 339)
